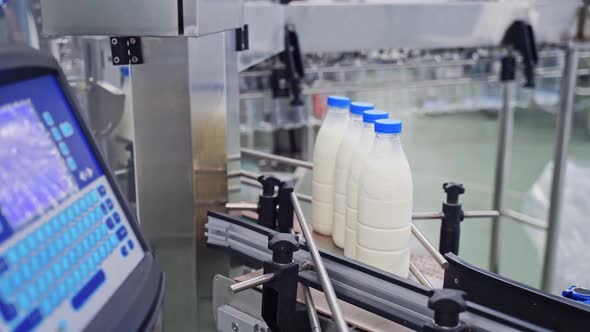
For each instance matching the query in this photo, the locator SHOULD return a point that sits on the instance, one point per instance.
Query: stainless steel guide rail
(397, 299)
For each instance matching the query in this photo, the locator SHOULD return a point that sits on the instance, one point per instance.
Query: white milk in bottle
(385, 203)
(359, 154)
(324, 161)
(351, 137)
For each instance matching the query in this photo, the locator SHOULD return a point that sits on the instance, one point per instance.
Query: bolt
(116, 60)
(114, 41)
(132, 41)
(234, 327)
(456, 280)
(134, 59)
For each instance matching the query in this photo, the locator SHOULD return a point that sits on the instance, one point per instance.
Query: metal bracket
(242, 39)
(126, 51)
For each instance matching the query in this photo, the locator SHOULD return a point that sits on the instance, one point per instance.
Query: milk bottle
(324, 161)
(353, 133)
(359, 154)
(385, 203)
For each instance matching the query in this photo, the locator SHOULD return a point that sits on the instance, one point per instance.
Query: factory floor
(461, 147)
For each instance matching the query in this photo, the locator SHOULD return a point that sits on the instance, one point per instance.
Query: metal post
(564, 126)
(251, 283)
(320, 268)
(314, 321)
(281, 159)
(440, 259)
(419, 276)
(505, 129)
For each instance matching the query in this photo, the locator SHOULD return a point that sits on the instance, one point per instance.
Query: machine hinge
(242, 39)
(126, 51)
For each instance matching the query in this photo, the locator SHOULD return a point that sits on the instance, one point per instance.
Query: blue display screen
(44, 155)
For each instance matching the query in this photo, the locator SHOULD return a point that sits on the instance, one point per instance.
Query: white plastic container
(353, 133)
(324, 162)
(359, 154)
(385, 202)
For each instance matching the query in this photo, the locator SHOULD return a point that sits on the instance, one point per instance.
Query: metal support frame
(504, 147)
(320, 268)
(564, 126)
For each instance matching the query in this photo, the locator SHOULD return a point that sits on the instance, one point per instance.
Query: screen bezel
(142, 288)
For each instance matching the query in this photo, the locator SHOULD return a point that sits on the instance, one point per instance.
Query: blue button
(102, 190)
(49, 277)
(110, 223)
(42, 285)
(46, 307)
(131, 244)
(79, 251)
(114, 240)
(3, 265)
(59, 244)
(70, 216)
(8, 311)
(62, 290)
(17, 280)
(103, 250)
(63, 148)
(86, 292)
(71, 164)
(66, 129)
(117, 217)
(77, 208)
(35, 264)
(67, 238)
(124, 251)
(27, 273)
(5, 287)
(88, 221)
(47, 118)
(11, 256)
(22, 249)
(110, 204)
(31, 322)
(32, 292)
(39, 236)
(104, 209)
(57, 270)
(88, 199)
(83, 204)
(55, 133)
(23, 301)
(121, 233)
(43, 257)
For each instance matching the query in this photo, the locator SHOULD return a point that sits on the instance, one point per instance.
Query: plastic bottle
(359, 154)
(324, 161)
(353, 133)
(385, 203)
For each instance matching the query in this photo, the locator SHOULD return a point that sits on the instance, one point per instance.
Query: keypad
(60, 260)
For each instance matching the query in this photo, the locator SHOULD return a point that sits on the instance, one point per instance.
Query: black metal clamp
(450, 229)
(520, 37)
(275, 211)
(279, 296)
(447, 305)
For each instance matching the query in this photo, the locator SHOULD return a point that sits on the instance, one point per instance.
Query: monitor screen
(65, 243)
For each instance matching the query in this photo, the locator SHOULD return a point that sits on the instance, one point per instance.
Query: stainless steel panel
(185, 99)
(331, 26)
(203, 17)
(140, 17)
(266, 24)
(110, 17)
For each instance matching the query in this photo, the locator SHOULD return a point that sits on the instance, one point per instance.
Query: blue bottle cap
(388, 126)
(338, 101)
(372, 116)
(358, 108)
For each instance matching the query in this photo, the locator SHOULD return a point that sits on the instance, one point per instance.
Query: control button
(46, 307)
(110, 204)
(110, 223)
(23, 301)
(55, 133)
(114, 240)
(104, 209)
(66, 129)
(63, 148)
(8, 311)
(71, 164)
(3, 265)
(86, 292)
(131, 244)
(32, 320)
(102, 190)
(122, 233)
(124, 251)
(117, 217)
(47, 118)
